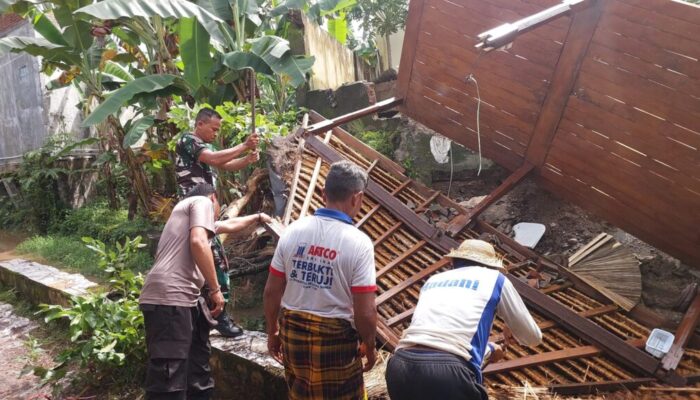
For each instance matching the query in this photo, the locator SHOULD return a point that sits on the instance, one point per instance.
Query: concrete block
(40, 283)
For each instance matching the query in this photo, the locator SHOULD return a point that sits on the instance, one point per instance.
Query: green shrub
(98, 221)
(382, 141)
(106, 329)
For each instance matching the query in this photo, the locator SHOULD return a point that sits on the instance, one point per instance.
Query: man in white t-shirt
(323, 278)
(441, 353)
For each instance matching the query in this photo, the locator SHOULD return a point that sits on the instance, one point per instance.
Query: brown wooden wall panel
(627, 144)
(512, 84)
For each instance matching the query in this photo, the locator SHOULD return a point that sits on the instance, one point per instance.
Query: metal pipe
(505, 34)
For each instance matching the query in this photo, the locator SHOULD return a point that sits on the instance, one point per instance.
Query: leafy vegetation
(106, 329)
(382, 141)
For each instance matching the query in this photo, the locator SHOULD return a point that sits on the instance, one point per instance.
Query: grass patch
(70, 252)
(98, 221)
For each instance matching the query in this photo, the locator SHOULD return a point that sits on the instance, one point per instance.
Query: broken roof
(590, 344)
(603, 104)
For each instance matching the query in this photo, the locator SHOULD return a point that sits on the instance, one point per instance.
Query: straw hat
(479, 251)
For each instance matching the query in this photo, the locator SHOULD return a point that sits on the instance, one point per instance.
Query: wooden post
(583, 25)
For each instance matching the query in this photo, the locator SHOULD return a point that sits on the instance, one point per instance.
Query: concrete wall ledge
(241, 367)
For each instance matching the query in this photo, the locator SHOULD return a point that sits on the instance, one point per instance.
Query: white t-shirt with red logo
(324, 259)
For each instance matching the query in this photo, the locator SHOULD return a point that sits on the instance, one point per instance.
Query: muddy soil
(569, 227)
(16, 352)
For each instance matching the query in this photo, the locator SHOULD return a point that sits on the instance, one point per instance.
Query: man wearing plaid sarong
(320, 295)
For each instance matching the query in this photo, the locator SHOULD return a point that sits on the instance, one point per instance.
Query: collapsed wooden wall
(589, 343)
(605, 104)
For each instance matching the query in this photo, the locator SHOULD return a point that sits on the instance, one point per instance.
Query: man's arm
(235, 224)
(204, 259)
(365, 314)
(240, 163)
(514, 313)
(272, 300)
(220, 158)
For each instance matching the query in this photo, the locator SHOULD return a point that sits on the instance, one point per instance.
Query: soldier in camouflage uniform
(195, 158)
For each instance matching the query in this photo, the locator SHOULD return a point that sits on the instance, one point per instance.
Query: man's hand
(252, 142)
(370, 353)
(218, 303)
(265, 219)
(274, 346)
(253, 157)
(497, 354)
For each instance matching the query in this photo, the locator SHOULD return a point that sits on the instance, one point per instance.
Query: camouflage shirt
(191, 172)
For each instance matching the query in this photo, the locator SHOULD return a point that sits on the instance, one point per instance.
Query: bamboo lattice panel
(405, 259)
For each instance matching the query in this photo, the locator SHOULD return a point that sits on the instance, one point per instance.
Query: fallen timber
(589, 344)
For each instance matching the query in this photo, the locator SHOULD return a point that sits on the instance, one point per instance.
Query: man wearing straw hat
(441, 353)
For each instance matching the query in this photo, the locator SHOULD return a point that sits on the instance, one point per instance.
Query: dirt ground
(569, 227)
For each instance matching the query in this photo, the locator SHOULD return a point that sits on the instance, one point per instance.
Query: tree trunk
(135, 172)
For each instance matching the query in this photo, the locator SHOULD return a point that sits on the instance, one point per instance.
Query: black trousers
(418, 374)
(177, 339)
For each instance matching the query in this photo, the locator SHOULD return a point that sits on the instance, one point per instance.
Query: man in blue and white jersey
(441, 353)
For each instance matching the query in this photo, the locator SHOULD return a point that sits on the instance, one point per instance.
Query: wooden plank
(651, 96)
(408, 253)
(642, 227)
(550, 357)
(443, 262)
(626, 118)
(499, 109)
(424, 205)
(571, 389)
(647, 52)
(675, 9)
(329, 124)
(386, 234)
(575, 47)
(628, 188)
(312, 182)
(685, 331)
(367, 216)
(292, 192)
(408, 53)
(372, 166)
(613, 346)
(641, 15)
(400, 317)
(644, 69)
(505, 187)
(647, 33)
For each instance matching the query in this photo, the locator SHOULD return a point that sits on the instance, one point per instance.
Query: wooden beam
(312, 181)
(422, 206)
(329, 124)
(367, 216)
(571, 389)
(410, 44)
(613, 346)
(401, 258)
(550, 357)
(371, 166)
(685, 331)
(400, 317)
(412, 280)
(388, 201)
(581, 30)
(386, 234)
(460, 222)
(547, 325)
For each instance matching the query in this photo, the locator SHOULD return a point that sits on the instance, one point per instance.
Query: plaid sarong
(321, 359)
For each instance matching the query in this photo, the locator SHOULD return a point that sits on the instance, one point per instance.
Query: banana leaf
(194, 49)
(114, 9)
(150, 84)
